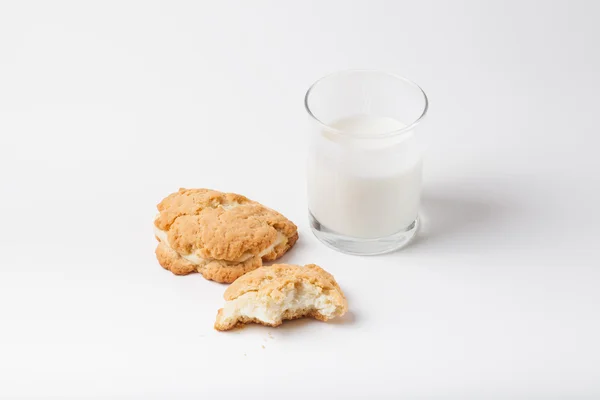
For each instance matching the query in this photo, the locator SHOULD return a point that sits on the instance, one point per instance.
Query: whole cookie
(220, 235)
(272, 294)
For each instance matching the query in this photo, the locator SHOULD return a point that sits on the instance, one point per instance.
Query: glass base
(360, 246)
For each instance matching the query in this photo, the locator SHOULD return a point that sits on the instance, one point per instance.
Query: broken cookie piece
(220, 235)
(272, 294)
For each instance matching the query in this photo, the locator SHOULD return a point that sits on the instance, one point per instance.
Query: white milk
(365, 187)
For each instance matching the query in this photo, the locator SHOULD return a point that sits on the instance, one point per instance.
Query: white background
(106, 107)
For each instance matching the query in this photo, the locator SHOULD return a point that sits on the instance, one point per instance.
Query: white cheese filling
(302, 298)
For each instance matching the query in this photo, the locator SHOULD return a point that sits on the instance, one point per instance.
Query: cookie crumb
(263, 346)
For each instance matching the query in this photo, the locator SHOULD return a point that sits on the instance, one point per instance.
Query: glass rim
(373, 71)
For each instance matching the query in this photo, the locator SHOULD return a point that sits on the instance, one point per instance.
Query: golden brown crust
(223, 272)
(216, 270)
(223, 234)
(227, 230)
(191, 202)
(272, 284)
(272, 278)
(170, 260)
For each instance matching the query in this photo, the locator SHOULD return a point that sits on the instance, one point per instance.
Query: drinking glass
(365, 160)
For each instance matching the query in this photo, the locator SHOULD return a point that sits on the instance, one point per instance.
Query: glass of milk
(365, 160)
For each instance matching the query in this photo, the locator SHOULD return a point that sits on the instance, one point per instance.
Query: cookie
(272, 294)
(220, 235)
